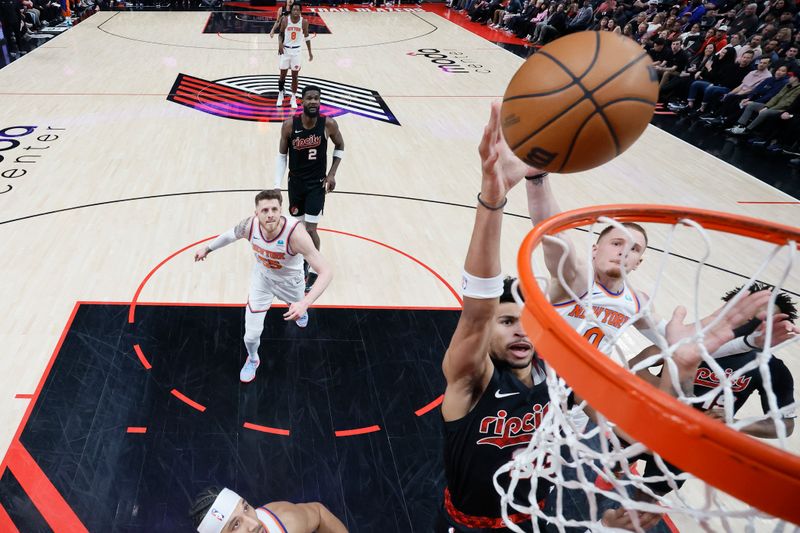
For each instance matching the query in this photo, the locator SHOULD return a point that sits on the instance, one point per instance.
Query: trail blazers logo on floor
(253, 98)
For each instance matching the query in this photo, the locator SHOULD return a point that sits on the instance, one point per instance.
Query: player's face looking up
(608, 254)
(243, 520)
(311, 104)
(509, 342)
(269, 214)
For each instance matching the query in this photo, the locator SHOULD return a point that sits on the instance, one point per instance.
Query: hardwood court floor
(111, 177)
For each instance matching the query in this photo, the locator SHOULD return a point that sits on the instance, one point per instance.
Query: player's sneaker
(279, 100)
(302, 321)
(248, 371)
(293, 103)
(312, 277)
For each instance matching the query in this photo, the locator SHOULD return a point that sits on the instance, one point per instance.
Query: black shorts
(306, 197)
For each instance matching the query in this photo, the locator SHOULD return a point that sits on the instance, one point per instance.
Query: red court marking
(435, 403)
(663, 113)
(358, 431)
(132, 311)
(142, 359)
(134, 429)
(46, 372)
(404, 254)
(134, 301)
(188, 401)
(52, 506)
(23, 396)
(267, 429)
(6, 524)
(770, 203)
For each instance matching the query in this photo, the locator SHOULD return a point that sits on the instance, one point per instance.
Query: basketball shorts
(265, 288)
(289, 59)
(306, 198)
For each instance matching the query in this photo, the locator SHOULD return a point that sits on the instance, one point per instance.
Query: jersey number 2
(312, 154)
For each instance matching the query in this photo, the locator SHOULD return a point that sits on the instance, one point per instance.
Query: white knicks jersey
(270, 521)
(612, 310)
(275, 258)
(293, 35)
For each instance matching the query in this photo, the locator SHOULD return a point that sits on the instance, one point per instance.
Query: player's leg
(259, 300)
(295, 75)
(284, 67)
(314, 204)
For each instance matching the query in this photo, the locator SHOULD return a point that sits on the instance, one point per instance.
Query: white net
(596, 475)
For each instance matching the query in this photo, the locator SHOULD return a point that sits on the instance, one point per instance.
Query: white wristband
(481, 288)
(731, 347)
(280, 169)
(338, 153)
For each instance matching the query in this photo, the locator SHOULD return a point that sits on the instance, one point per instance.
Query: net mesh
(592, 470)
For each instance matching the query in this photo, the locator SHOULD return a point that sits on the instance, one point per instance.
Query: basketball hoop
(765, 477)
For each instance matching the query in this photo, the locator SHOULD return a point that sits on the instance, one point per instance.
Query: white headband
(220, 512)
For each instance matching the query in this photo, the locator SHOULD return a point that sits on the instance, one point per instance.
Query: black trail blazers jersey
(308, 151)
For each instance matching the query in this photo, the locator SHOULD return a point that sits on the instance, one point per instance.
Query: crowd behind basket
(731, 66)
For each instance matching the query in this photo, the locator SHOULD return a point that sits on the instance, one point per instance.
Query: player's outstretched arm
(301, 243)
(466, 363)
(282, 159)
(308, 40)
(689, 355)
(335, 134)
(542, 205)
(240, 231)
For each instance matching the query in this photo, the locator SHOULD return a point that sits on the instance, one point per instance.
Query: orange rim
(765, 477)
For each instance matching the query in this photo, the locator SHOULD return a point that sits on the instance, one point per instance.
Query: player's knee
(252, 337)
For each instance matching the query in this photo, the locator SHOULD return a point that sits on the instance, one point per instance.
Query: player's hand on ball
(329, 183)
(502, 170)
(201, 254)
(296, 310)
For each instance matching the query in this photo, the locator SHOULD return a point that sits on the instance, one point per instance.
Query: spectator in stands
(582, 19)
(555, 26)
(733, 104)
(790, 60)
(675, 63)
(754, 45)
(696, 9)
(762, 114)
(746, 20)
(720, 70)
(728, 79)
(692, 39)
(679, 85)
(714, 95)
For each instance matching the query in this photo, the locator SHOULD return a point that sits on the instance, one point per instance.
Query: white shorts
(290, 59)
(264, 289)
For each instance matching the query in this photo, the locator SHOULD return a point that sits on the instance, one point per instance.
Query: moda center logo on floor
(21, 147)
(450, 61)
(253, 98)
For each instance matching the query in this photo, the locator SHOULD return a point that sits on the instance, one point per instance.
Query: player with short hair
(292, 30)
(283, 11)
(304, 143)
(280, 244)
(217, 510)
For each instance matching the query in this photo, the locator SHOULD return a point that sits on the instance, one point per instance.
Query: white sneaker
(294, 103)
(737, 130)
(248, 371)
(302, 321)
(279, 100)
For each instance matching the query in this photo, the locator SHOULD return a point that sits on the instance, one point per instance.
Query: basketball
(579, 101)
